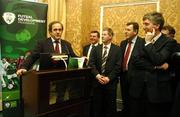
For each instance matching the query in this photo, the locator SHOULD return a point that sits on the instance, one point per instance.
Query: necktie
(93, 46)
(57, 50)
(104, 58)
(126, 56)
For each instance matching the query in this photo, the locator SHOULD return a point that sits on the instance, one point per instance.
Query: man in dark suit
(176, 65)
(48, 46)
(54, 44)
(94, 40)
(105, 61)
(170, 32)
(132, 42)
(150, 93)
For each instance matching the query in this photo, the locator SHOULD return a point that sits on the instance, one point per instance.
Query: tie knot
(56, 41)
(129, 41)
(105, 47)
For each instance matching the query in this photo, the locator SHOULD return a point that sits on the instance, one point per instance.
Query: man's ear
(156, 27)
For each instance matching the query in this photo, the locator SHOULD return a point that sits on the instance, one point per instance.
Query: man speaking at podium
(54, 44)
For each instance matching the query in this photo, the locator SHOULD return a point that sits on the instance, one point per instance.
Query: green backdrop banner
(22, 23)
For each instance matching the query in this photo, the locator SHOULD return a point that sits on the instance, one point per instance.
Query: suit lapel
(160, 42)
(99, 52)
(50, 45)
(63, 48)
(124, 44)
(110, 52)
(87, 49)
(136, 47)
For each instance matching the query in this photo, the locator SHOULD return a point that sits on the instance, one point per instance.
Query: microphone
(61, 57)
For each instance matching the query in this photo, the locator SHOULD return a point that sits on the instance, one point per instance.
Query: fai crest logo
(9, 17)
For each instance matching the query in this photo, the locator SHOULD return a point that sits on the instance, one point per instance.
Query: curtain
(56, 11)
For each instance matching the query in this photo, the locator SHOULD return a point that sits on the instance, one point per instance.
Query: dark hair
(110, 31)
(135, 26)
(54, 22)
(98, 35)
(170, 29)
(155, 18)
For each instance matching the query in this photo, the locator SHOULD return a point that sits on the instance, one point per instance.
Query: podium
(40, 92)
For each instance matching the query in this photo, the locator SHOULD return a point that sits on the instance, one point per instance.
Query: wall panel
(83, 16)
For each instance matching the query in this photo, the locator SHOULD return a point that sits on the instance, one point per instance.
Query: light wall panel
(117, 15)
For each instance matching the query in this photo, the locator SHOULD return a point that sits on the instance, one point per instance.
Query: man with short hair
(169, 31)
(129, 48)
(150, 90)
(53, 44)
(105, 61)
(48, 46)
(94, 41)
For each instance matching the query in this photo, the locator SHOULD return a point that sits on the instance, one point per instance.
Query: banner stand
(22, 23)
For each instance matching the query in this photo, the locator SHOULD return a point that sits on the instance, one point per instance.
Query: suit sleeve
(93, 62)
(159, 57)
(30, 60)
(83, 53)
(117, 66)
(70, 50)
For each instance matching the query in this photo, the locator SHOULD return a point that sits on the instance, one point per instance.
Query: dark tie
(104, 58)
(57, 50)
(126, 56)
(93, 46)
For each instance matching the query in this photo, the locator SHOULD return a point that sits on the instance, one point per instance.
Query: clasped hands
(103, 79)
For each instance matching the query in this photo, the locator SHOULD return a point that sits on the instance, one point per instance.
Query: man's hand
(103, 79)
(164, 66)
(20, 72)
(106, 80)
(149, 36)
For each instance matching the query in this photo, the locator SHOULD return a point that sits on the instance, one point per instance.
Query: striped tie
(104, 58)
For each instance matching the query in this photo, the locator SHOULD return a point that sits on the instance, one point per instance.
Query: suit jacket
(176, 103)
(176, 65)
(135, 52)
(86, 49)
(46, 46)
(143, 70)
(112, 67)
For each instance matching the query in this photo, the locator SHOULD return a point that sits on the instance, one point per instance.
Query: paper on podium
(81, 62)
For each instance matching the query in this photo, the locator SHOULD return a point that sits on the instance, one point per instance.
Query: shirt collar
(53, 40)
(94, 44)
(134, 39)
(108, 45)
(157, 37)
